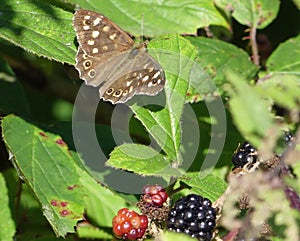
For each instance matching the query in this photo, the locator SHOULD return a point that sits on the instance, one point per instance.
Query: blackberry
(154, 203)
(288, 138)
(129, 225)
(155, 195)
(244, 155)
(194, 216)
(293, 198)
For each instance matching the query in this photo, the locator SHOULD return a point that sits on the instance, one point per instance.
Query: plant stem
(253, 43)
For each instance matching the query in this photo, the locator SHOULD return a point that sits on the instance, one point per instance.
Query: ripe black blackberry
(288, 138)
(244, 155)
(194, 216)
(293, 198)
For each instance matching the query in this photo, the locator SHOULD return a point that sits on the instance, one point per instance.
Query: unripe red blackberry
(128, 224)
(154, 195)
(194, 216)
(153, 203)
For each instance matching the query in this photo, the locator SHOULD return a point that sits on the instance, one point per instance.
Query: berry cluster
(154, 195)
(288, 138)
(244, 155)
(153, 203)
(128, 224)
(194, 216)
(293, 197)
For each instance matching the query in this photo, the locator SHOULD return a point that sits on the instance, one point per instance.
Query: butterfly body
(109, 59)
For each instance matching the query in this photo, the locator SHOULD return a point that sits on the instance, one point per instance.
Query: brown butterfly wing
(107, 58)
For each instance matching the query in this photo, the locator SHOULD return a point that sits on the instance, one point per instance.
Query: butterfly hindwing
(146, 76)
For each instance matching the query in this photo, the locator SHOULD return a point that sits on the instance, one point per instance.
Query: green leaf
(158, 18)
(285, 59)
(45, 164)
(249, 109)
(140, 159)
(173, 236)
(40, 28)
(215, 57)
(88, 231)
(284, 93)
(255, 13)
(177, 57)
(12, 96)
(211, 186)
(7, 227)
(35, 224)
(283, 64)
(101, 203)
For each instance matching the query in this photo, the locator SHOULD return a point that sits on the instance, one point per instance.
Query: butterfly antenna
(142, 27)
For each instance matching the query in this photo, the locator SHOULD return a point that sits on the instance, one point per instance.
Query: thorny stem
(172, 183)
(253, 43)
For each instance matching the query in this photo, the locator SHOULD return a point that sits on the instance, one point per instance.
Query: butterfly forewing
(108, 58)
(98, 36)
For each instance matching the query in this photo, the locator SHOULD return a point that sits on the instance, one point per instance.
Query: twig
(253, 43)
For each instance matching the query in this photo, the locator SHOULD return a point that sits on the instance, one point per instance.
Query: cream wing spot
(146, 65)
(150, 84)
(140, 76)
(86, 27)
(150, 70)
(90, 42)
(112, 37)
(156, 74)
(130, 89)
(95, 34)
(95, 50)
(97, 21)
(129, 82)
(104, 47)
(87, 17)
(106, 28)
(145, 78)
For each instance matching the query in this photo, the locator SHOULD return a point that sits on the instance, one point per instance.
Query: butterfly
(109, 59)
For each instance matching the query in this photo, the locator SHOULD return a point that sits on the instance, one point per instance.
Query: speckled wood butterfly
(109, 59)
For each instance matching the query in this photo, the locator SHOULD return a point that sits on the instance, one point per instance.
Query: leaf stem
(254, 47)
(171, 189)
